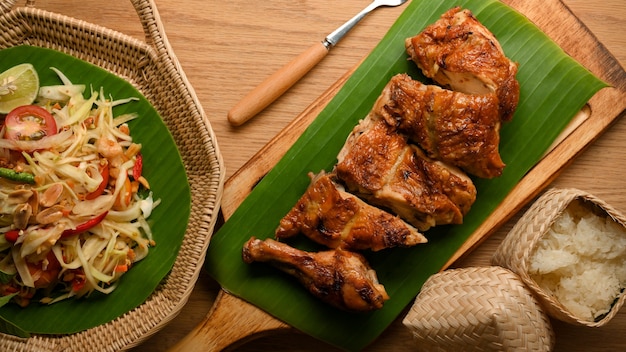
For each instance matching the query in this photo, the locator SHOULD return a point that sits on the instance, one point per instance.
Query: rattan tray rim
(134, 61)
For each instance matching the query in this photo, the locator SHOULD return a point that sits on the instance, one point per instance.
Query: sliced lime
(19, 85)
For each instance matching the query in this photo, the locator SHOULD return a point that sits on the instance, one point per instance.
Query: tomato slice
(29, 123)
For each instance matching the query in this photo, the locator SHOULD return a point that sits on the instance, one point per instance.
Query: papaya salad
(73, 201)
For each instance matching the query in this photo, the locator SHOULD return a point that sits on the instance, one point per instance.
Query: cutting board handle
(231, 322)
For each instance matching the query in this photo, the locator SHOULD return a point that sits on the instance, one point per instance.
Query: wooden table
(227, 47)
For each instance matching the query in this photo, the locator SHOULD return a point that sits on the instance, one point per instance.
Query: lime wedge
(19, 85)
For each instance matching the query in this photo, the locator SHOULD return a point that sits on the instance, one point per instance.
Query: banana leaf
(554, 87)
(164, 170)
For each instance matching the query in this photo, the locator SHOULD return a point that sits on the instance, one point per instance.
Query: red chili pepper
(84, 226)
(78, 282)
(104, 171)
(138, 167)
(7, 289)
(12, 235)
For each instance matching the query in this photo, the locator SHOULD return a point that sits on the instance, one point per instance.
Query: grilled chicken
(330, 216)
(456, 128)
(379, 164)
(341, 278)
(407, 157)
(458, 52)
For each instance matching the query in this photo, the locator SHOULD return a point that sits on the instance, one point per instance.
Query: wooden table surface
(228, 47)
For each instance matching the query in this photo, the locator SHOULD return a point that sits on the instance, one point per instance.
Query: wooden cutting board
(232, 321)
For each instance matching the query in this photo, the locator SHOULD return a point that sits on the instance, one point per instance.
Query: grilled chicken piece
(378, 164)
(341, 278)
(330, 216)
(458, 52)
(456, 128)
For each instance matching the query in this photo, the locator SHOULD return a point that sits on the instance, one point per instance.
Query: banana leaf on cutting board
(553, 88)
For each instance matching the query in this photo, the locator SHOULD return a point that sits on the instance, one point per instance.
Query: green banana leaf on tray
(164, 170)
(554, 87)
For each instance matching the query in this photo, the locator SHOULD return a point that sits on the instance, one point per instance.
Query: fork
(279, 82)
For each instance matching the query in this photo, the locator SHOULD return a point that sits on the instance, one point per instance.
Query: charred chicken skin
(409, 156)
(378, 164)
(458, 52)
(456, 128)
(330, 216)
(341, 278)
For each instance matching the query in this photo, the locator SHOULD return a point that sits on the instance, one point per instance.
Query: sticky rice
(581, 260)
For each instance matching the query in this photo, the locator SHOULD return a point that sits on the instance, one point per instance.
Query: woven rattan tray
(152, 68)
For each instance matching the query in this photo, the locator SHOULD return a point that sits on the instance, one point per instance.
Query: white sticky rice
(581, 260)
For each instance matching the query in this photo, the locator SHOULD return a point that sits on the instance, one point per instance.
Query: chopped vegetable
(84, 226)
(13, 175)
(138, 167)
(12, 235)
(77, 221)
(29, 123)
(104, 173)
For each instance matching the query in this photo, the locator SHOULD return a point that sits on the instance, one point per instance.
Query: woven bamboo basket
(515, 251)
(478, 309)
(153, 69)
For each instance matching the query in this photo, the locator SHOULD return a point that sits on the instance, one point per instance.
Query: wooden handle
(275, 85)
(230, 322)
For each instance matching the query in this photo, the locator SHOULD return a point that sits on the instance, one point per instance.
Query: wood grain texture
(228, 47)
(232, 323)
(276, 84)
(604, 107)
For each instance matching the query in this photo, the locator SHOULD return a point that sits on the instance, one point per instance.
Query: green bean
(13, 175)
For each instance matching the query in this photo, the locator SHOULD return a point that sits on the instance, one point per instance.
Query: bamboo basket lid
(478, 309)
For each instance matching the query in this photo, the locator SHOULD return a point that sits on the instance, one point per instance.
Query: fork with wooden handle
(278, 83)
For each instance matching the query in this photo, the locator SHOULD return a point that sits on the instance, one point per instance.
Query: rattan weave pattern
(516, 249)
(478, 309)
(153, 69)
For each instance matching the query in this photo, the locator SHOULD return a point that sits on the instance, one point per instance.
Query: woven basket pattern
(516, 249)
(478, 309)
(152, 68)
